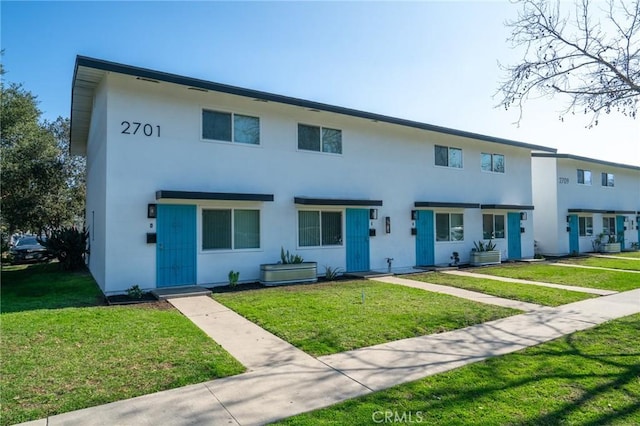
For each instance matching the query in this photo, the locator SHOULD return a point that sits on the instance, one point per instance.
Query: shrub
(135, 292)
(69, 246)
(233, 278)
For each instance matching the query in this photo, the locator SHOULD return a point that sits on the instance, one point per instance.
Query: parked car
(28, 249)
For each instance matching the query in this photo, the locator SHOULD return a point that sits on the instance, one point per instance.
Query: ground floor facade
(197, 238)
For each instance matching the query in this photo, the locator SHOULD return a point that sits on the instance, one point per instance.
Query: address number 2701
(134, 128)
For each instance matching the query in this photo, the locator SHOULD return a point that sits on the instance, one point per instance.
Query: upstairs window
(492, 226)
(230, 127)
(492, 162)
(608, 179)
(320, 139)
(585, 226)
(448, 157)
(584, 177)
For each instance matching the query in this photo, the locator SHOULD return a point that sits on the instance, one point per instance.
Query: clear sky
(435, 62)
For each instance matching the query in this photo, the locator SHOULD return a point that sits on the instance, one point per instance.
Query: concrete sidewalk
(297, 382)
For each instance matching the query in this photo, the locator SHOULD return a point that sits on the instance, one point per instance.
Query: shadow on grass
(46, 286)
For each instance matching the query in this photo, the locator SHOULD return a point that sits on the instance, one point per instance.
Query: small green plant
(482, 246)
(233, 278)
(135, 292)
(286, 257)
(69, 245)
(332, 274)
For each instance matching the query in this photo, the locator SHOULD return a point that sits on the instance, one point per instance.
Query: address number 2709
(134, 127)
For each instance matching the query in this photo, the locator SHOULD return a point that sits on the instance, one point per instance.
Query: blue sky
(434, 62)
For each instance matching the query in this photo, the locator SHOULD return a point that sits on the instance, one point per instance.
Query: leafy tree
(42, 186)
(591, 56)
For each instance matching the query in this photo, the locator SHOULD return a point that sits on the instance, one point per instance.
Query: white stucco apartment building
(189, 179)
(578, 198)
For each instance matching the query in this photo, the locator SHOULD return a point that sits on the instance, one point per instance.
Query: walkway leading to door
(459, 292)
(607, 256)
(571, 265)
(597, 291)
(281, 386)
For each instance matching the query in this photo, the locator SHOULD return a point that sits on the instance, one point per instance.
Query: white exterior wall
(624, 196)
(96, 207)
(380, 161)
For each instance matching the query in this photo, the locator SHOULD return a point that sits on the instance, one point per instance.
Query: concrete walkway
(572, 265)
(608, 256)
(282, 385)
(597, 291)
(459, 292)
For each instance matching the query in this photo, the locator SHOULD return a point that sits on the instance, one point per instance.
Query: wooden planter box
(479, 258)
(611, 248)
(278, 273)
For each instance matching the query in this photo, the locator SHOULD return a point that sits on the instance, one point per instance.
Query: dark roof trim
(579, 158)
(335, 202)
(446, 204)
(505, 207)
(83, 61)
(225, 196)
(586, 211)
(602, 211)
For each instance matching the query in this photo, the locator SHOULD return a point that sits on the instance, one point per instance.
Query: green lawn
(630, 254)
(524, 292)
(57, 359)
(587, 378)
(592, 278)
(602, 262)
(44, 286)
(334, 317)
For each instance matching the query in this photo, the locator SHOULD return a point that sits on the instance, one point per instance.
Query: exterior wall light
(523, 215)
(414, 214)
(152, 211)
(387, 225)
(373, 214)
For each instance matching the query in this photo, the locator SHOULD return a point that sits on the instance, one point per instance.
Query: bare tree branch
(593, 59)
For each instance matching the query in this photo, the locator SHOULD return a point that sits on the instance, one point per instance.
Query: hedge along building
(580, 198)
(189, 179)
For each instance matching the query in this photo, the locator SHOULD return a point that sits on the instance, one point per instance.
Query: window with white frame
(230, 127)
(449, 227)
(585, 226)
(230, 229)
(492, 226)
(320, 139)
(492, 162)
(448, 157)
(608, 179)
(318, 228)
(584, 177)
(609, 225)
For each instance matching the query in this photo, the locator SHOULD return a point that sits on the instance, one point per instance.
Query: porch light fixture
(152, 211)
(523, 215)
(414, 214)
(373, 214)
(387, 225)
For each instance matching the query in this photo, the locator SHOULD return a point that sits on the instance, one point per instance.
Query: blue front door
(620, 230)
(425, 238)
(514, 243)
(574, 240)
(176, 245)
(357, 240)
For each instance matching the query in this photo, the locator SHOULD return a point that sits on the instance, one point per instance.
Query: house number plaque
(135, 127)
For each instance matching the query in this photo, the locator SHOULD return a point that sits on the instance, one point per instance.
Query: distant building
(189, 179)
(577, 199)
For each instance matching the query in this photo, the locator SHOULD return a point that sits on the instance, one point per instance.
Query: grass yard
(328, 318)
(603, 262)
(524, 292)
(592, 278)
(57, 359)
(587, 378)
